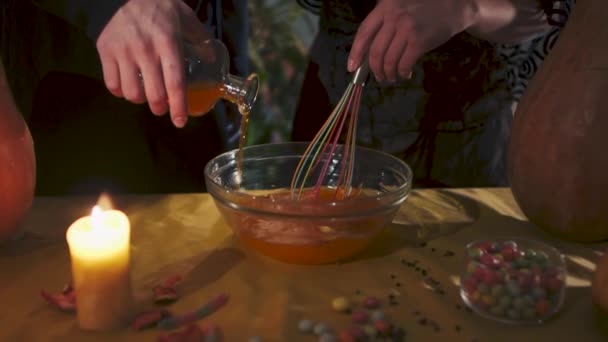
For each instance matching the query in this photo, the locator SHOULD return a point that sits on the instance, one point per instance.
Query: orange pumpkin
(599, 285)
(558, 165)
(17, 169)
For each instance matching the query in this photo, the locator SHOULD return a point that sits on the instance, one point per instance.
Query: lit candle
(99, 247)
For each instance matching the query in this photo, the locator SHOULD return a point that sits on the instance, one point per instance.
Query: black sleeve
(235, 34)
(89, 15)
(313, 6)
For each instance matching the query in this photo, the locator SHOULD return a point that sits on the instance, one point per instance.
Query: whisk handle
(361, 74)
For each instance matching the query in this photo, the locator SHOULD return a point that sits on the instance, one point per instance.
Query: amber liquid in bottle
(202, 96)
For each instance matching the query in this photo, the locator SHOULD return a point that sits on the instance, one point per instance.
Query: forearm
(508, 21)
(89, 15)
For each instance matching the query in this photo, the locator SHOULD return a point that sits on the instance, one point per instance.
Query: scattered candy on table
(378, 315)
(160, 318)
(193, 316)
(194, 333)
(321, 328)
(305, 325)
(340, 304)
(327, 337)
(371, 302)
(346, 336)
(190, 333)
(368, 323)
(382, 327)
(360, 317)
(65, 300)
(166, 292)
(370, 331)
(505, 281)
(150, 318)
(213, 333)
(368, 320)
(356, 332)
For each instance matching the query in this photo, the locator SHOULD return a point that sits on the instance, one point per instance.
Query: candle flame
(97, 217)
(104, 202)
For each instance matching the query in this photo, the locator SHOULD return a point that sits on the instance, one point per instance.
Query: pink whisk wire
(349, 147)
(327, 138)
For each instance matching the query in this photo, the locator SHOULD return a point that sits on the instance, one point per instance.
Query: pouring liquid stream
(242, 142)
(202, 97)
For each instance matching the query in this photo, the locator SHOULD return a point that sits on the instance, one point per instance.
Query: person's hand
(141, 54)
(398, 32)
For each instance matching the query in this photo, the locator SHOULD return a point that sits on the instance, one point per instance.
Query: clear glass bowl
(256, 202)
(513, 280)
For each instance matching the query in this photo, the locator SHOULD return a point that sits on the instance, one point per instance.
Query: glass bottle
(208, 79)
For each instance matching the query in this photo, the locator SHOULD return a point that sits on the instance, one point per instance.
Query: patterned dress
(451, 122)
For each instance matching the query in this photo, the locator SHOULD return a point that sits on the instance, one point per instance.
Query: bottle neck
(241, 91)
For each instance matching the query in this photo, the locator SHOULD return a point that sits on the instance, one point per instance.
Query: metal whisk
(323, 146)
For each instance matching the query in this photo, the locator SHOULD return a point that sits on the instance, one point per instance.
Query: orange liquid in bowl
(304, 240)
(328, 252)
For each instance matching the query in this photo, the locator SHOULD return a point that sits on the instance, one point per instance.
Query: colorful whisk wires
(324, 151)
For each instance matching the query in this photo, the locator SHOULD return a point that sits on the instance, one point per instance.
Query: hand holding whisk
(319, 156)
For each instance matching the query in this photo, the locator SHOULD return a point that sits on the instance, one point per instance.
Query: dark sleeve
(557, 11)
(235, 34)
(89, 15)
(313, 6)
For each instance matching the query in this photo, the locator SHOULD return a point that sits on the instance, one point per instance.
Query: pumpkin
(558, 165)
(17, 168)
(599, 284)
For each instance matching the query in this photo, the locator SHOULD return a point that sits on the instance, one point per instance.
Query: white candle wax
(100, 254)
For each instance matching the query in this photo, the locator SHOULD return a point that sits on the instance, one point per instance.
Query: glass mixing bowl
(257, 204)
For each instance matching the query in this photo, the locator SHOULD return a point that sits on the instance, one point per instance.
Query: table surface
(185, 234)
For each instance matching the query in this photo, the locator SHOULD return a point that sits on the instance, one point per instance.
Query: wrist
(472, 14)
(492, 19)
(507, 21)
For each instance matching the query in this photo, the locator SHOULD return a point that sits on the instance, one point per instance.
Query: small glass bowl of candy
(513, 280)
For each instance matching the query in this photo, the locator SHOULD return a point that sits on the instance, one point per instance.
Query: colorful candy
(357, 332)
(369, 322)
(65, 300)
(382, 327)
(506, 281)
(371, 302)
(305, 326)
(212, 333)
(150, 318)
(327, 337)
(166, 292)
(191, 332)
(346, 336)
(340, 304)
(370, 331)
(360, 317)
(321, 328)
(207, 309)
(377, 315)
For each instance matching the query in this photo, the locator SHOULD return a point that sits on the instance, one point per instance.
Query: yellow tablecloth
(185, 234)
